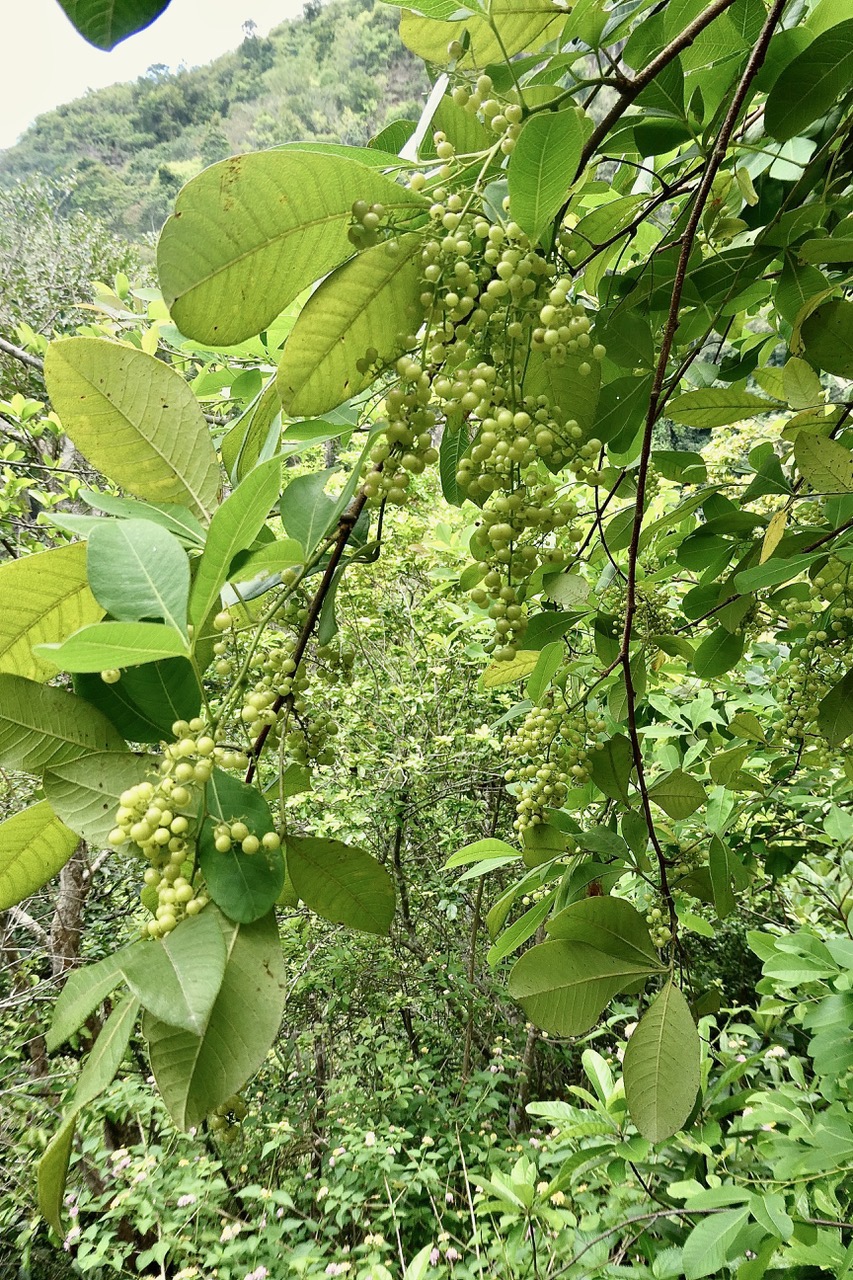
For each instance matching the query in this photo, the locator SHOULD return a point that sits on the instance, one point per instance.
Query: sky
(46, 63)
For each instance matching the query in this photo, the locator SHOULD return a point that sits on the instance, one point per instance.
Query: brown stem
(633, 88)
(346, 524)
(715, 160)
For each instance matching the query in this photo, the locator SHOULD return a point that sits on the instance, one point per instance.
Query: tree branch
(19, 354)
(346, 524)
(715, 160)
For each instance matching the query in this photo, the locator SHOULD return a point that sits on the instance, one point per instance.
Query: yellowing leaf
(135, 419)
(372, 302)
(45, 597)
(34, 846)
(498, 673)
(774, 534)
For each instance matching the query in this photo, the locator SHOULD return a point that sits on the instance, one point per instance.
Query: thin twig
(656, 402)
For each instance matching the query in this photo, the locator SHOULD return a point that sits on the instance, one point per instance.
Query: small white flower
(184, 1202)
(370, 1138)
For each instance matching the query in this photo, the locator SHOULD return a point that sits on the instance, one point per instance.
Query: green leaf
(608, 924)
(718, 653)
(105, 23)
(612, 766)
(250, 233)
(568, 590)
(810, 84)
(454, 445)
(135, 419)
(145, 703)
(137, 570)
(720, 865)
(84, 991)
(372, 302)
(97, 1075)
(825, 463)
(771, 574)
(802, 385)
(661, 1066)
(718, 407)
(106, 1054)
(707, 1248)
(543, 166)
(573, 396)
(678, 794)
(770, 1211)
(519, 932)
(827, 249)
(746, 725)
(255, 436)
(307, 511)
(481, 851)
(546, 627)
(269, 559)
(53, 1174)
(41, 727)
(115, 644)
(828, 336)
(521, 27)
(622, 408)
(233, 528)
(45, 596)
(835, 712)
(178, 979)
(178, 520)
(342, 884)
(245, 886)
(196, 1074)
(34, 845)
(419, 1266)
(542, 843)
(547, 664)
(564, 986)
(84, 792)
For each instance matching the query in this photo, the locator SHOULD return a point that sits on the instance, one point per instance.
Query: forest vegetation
(426, 698)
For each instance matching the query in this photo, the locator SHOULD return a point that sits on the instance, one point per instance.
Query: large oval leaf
(543, 166)
(608, 924)
(371, 302)
(115, 644)
(342, 884)
(178, 979)
(250, 233)
(809, 85)
(41, 727)
(195, 1074)
(135, 419)
(147, 700)
(45, 597)
(34, 845)
(139, 570)
(243, 885)
(85, 792)
(828, 336)
(661, 1066)
(564, 986)
(520, 26)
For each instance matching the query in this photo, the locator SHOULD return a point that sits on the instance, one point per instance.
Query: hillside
(339, 73)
